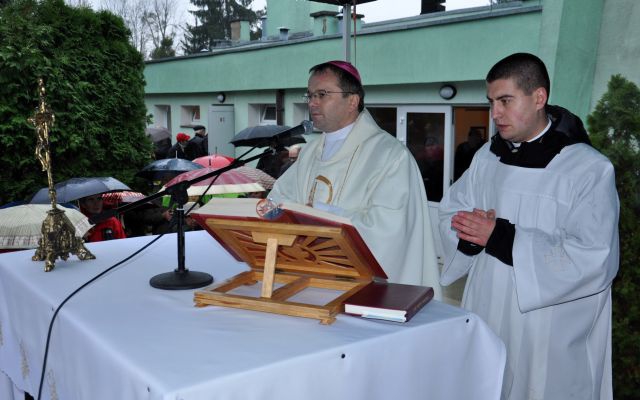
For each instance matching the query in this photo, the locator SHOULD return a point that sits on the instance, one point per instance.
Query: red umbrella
(113, 199)
(228, 182)
(214, 161)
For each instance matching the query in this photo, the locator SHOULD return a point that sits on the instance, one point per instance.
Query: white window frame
(162, 115)
(188, 115)
(263, 115)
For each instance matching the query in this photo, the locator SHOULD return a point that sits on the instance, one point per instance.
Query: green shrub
(614, 128)
(95, 87)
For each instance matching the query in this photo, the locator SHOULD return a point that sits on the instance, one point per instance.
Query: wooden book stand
(294, 255)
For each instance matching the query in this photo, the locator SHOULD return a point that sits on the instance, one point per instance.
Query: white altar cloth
(119, 338)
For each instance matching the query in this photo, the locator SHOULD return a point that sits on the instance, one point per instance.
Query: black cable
(46, 348)
(55, 314)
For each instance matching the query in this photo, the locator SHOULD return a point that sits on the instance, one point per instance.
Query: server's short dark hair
(528, 71)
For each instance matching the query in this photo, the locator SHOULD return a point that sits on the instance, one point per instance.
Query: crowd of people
(157, 217)
(187, 147)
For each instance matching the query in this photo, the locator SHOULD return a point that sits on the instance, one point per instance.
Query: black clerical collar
(535, 154)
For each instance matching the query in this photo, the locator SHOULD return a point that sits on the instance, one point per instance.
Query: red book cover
(389, 301)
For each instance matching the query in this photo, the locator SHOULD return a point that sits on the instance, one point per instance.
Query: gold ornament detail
(58, 234)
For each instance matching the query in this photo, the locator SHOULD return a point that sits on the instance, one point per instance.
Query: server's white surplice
(553, 306)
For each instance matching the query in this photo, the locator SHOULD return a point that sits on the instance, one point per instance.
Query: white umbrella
(20, 226)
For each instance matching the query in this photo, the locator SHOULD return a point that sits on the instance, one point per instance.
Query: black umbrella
(76, 188)
(167, 168)
(260, 136)
(157, 134)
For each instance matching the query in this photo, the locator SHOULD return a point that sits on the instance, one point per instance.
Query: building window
(268, 114)
(162, 115)
(190, 115)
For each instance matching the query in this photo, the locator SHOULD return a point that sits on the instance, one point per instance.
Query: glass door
(426, 131)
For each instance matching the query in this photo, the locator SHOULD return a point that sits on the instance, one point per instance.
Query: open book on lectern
(301, 248)
(290, 213)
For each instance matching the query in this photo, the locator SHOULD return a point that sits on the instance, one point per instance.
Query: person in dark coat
(200, 141)
(161, 148)
(272, 163)
(183, 148)
(465, 152)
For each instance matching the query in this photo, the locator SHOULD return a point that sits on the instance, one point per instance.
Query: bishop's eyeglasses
(320, 95)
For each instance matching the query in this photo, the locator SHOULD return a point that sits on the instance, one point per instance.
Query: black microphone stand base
(181, 280)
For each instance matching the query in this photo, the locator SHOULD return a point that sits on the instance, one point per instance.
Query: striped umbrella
(21, 226)
(257, 175)
(113, 199)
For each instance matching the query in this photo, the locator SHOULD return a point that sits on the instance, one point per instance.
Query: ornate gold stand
(58, 234)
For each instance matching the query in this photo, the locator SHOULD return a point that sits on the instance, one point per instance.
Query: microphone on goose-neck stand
(281, 140)
(295, 131)
(181, 277)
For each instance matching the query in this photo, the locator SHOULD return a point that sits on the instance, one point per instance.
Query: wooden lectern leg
(269, 267)
(272, 240)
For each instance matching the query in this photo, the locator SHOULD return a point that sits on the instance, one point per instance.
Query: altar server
(359, 171)
(534, 224)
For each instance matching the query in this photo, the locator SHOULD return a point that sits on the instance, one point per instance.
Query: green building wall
(618, 46)
(583, 42)
(569, 36)
(416, 55)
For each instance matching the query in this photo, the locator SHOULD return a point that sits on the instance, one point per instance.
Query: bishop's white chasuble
(373, 180)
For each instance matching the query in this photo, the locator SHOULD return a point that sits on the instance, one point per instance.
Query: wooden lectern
(296, 251)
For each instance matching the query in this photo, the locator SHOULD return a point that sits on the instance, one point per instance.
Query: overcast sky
(379, 10)
(374, 11)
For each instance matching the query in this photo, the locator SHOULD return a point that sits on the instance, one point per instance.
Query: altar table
(120, 338)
